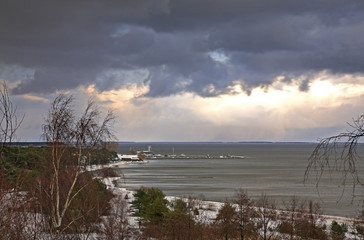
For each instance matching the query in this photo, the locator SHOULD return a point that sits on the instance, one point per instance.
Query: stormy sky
(190, 70)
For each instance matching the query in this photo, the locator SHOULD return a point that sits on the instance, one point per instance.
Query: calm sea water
(276, 169)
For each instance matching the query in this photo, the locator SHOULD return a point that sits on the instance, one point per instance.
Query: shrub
(285, 227)
(338, 230)
(107, 172)
(196, 212)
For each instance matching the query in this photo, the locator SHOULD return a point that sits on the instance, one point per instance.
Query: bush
(196, 212)
(338, 230)
(107, 172)
(285, 227)
(306, 230)
(179, 205)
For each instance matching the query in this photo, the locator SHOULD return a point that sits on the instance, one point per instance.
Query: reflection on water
(276, 169)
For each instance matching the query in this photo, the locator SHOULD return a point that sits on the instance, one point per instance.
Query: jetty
(149, 154)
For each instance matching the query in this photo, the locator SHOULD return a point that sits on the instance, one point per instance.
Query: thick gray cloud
(70, 43)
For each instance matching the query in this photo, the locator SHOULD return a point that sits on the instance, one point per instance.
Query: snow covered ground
(113, 165)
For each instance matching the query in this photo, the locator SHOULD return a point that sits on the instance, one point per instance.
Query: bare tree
(266, 217)
(71, 139)
(311, 225)
(293, 215)
(116, 224)
(245, 213)
(9, 121)
(18, 220)
(338, 154)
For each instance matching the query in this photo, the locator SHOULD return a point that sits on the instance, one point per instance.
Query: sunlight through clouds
(322, 88)
(35, 98)
(267, 112)
(280, 111)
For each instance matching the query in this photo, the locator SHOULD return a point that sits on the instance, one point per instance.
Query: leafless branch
(9, 121)
(338, 154)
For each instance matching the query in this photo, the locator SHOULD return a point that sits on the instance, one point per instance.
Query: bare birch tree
(71, 139)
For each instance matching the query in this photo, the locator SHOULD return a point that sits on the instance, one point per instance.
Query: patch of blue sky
(218, 56)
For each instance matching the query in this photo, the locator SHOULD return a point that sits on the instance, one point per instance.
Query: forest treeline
(26, 161)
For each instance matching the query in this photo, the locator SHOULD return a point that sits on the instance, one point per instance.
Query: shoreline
(96, 167)
(208, 210)
(213, 206)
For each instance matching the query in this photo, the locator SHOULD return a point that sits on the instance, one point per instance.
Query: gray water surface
(276, 169)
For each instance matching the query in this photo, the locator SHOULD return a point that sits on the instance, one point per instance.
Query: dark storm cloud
(70, 43)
